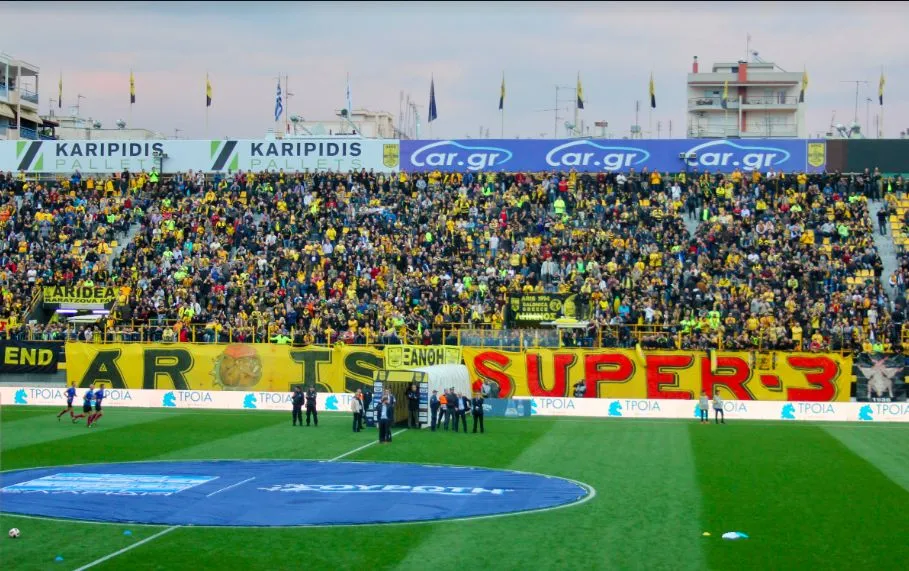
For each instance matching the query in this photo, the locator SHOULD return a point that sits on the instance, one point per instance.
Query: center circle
(278, 493)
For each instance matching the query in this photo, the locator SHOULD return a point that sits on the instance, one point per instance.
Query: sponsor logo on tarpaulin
(386, 489)
(787, 412)
(331, 403)
(29, 156)
(249, 401)
(866, 414)
(21, 397)
(169, 399)
(77, 483)
(615, 408)
(224, 155)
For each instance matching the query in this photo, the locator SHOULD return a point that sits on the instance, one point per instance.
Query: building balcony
(26, 133)
(770, 102)
(30, 96)
(754, 130)
(711, 103)
(4, 91)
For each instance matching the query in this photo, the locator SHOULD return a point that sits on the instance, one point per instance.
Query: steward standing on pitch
(311, 406)
(356, 407)
(434, 404)
(413, 406)
(478, 413)
(297, 401)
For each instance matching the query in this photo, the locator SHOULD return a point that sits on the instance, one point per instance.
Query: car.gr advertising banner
(596, 155)
(31, 357)
(682, 375)
(314, 154)
(880, 378)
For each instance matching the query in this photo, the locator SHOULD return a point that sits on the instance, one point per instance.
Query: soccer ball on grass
(14, 533)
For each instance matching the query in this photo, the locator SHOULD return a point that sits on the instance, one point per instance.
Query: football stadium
(595, 348)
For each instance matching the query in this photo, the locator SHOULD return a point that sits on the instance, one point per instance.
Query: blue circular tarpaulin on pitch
(277, 493)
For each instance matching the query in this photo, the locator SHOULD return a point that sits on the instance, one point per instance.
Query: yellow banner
(74, 294)
(617, 373)
(241, 367)
(412, 356)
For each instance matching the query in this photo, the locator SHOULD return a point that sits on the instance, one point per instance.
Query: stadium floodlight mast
(857, 82)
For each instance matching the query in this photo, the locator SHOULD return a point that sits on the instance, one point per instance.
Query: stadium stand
(777, 261)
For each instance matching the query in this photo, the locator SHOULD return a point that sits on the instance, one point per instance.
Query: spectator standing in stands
(882, 216)
(580, 389)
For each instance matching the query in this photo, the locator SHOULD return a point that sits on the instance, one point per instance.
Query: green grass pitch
(810, 496)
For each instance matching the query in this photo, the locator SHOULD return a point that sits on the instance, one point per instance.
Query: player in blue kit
(99, 396)
(70, 395)
(86, 403)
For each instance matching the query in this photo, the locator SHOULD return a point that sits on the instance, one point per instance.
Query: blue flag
(279, 104)
(433, 112)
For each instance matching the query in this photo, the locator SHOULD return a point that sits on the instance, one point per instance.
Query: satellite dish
(96, 124)
(296, 119)
(121, 123)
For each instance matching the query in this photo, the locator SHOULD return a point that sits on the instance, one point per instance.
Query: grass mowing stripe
(647, 496)
(122, 443)
(43, 428)
(799, 493)
(128, 548)
(279, 441)
(886, 449)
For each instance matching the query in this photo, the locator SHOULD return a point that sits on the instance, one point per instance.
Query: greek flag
(279, 104)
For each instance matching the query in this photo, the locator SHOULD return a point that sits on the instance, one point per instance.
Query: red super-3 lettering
(820, 372)
(658, 377)
(732, 373)
(497, 374)
(562, 362)
(606, 368)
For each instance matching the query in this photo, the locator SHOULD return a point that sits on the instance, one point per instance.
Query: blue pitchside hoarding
(610, 155)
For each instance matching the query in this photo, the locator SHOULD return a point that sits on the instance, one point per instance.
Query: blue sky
(394, 47)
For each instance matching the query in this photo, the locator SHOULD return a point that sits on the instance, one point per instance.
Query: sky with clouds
(392, 47)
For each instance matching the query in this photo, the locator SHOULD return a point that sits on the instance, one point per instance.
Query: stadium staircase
(885, 248)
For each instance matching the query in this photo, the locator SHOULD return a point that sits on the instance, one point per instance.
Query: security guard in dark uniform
(434, 404)
(478, 413)
(413, 407)
(297, 402)
(311, 406)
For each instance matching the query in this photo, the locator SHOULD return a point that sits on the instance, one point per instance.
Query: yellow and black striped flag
(132, 88)
(502, 94)
(652, 93)
(725, 102)
(880, 89)
(207, 91)
(804, 86)
(60, 92)
(580, 93)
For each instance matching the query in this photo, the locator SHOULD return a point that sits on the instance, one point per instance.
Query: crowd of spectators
(778, 261)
